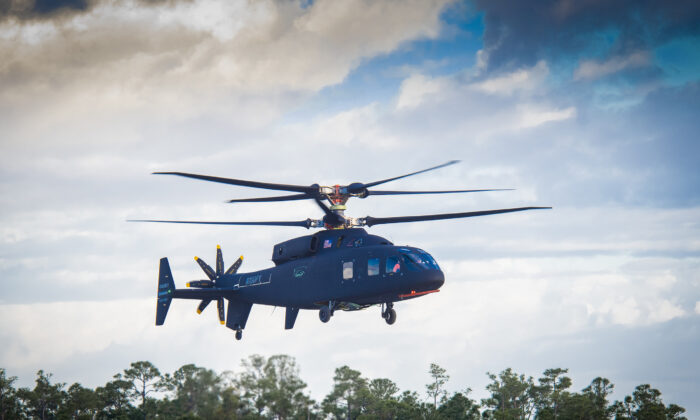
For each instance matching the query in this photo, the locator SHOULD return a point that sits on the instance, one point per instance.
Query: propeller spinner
(214, 277)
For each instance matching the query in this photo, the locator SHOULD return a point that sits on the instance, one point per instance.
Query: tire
(390, 316)
(239, 334)
(324, 314)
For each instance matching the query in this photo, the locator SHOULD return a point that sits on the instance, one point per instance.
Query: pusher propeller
(214, 277)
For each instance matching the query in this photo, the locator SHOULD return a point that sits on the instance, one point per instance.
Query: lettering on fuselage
(255, 280)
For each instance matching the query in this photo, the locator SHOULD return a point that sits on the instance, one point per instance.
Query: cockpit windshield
(419, 258)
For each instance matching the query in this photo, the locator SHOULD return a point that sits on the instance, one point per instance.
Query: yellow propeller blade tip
(218, 247)
(241, 256)
(196, 258)
(187, 284)
(222, 322)
(198, 311)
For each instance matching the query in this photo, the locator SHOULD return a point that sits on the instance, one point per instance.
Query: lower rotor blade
(371, 221)
(373, 192)
(219, 262)
(302, 223)
(270, 199)
(234, 267)
(220, 307)
(203, 304)
(207, 270)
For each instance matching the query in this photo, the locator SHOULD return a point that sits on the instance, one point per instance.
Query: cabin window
(392, 265)
(347, 270)
(373, 266)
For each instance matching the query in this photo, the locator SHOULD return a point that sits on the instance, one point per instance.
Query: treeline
(270, 388)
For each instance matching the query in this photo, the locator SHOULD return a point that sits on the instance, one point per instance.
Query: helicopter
(341, 267)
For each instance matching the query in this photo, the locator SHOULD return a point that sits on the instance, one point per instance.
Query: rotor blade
(302, 223)
(220, 307)
(244, 183)
(374, 192)
(234, 267)
(371, 221)
(207, 270)
(270, 199)
(203, 304)
(372, 184)
(219, 262)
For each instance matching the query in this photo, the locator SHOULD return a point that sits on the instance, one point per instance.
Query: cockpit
(416, 259)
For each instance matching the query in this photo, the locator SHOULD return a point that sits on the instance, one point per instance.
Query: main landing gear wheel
(324, 314)
(389, 314)
(239, 334)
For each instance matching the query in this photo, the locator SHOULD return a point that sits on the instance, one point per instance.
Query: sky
(586, 106)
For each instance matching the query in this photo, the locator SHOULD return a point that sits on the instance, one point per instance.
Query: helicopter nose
(436, 279)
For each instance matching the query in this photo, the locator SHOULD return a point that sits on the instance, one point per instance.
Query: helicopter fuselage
(346, 266)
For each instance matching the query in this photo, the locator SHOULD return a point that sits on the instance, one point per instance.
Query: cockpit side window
(392, 265)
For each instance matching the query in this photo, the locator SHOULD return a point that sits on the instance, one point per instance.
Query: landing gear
(389, 314)
(324, 314)
(239, 334)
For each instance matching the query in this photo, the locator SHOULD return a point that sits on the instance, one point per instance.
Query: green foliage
(271, 388)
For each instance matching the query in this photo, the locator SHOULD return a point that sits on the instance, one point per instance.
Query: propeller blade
(355, 188)
(207, 270)
(203, 304)
(270, 199)
(219, 262)
(375, 192)
(235, 266)
(201, 283)
(301, 223)
(371, 221)
(220, 307)
(245, 183)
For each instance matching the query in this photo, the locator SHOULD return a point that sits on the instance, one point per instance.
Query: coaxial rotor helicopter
(339, 268)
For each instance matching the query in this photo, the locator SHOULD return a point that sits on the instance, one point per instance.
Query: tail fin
(166, 288)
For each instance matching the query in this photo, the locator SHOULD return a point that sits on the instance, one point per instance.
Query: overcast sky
(587, 106)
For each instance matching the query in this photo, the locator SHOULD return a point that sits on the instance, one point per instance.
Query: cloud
(593, 69)
(518, 34)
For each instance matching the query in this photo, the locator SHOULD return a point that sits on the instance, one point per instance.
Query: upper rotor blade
(372, 184)
(243, 183)
(302, 223)
(371, 221)
(374, 192)
(269, 199)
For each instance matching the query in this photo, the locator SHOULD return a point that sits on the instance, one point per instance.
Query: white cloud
(595, 69)
(520, 80)
(415, 89)
(532, 116)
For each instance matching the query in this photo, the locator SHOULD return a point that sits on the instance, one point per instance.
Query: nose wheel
(239, 334)
(389, 314)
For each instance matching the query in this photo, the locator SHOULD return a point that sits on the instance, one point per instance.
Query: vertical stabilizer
(166, 287)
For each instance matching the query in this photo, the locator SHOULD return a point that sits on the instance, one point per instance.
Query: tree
(197, 390)
(459, 407)
(284, 388)
(436, 388)
(144, 379)
(80, 403)
(550, 392)
(598, 392)
(348, 394)
(511, 396)
(45, 399)
(114, 399)
(9, 407)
